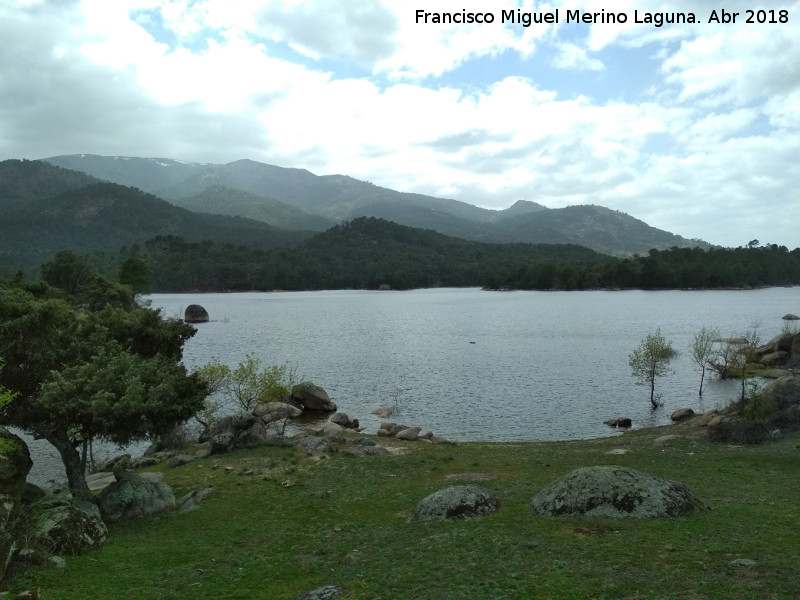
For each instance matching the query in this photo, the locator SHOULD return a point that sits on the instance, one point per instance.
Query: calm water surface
(474, 365)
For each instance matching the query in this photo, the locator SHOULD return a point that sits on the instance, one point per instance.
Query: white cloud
(707, 150)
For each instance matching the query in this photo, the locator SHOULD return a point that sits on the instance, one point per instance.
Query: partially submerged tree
(650, 360)
(701, 350)
(734, 356)
(111, 374)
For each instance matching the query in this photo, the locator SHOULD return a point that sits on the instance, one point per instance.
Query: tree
(133, 272)
(701, 350)
(68, 271)
(650, 360)
(246, 386)
(112, 374)
(747, 354)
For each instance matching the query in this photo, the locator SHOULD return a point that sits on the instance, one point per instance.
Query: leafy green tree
(134, 273)
(701, 350)
(68, 271)
(111, 374)
(245, 386)
(651, 359)
(80, 283)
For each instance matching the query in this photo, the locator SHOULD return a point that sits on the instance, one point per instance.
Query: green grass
(348, 520)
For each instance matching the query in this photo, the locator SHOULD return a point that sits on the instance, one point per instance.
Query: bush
(738, 430)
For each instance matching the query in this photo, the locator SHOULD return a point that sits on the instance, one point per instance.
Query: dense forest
(368, 253)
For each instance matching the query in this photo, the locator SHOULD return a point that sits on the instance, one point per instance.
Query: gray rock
(134, 495)
(363, 441)
(121, 461)
(774, 358)
(179, 460)
(101, 480)
(15, 463)
(383, 411)
(57, 562)
(437, 439)
(193, 499)
(320, 445)
(745, 563)
(236, 431)
(705, 418)
(681, 413)
(455, 503)
(790, 317)
(313, 397)
(410, 434)
(195, 313)
(31, 493)
(145, 461)
(269, 412)
(783, 392)
(325, 592)
(66, 527)
(612, 491)
(624, 422)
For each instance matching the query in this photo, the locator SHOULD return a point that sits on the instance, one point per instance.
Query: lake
(469, 364)
(476, 365)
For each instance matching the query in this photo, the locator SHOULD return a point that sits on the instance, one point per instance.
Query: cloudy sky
(693, 128)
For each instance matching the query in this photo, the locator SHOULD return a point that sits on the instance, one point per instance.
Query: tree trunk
(702, 376)
(76, 478)
(653, 402)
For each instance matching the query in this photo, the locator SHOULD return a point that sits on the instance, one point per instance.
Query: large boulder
(235, 431)
(782, 394)
(612, 491)
(269, 412)
(64, 526)
(455, 503)
(15, 464)
(135, 495)
(681, 414)
(325, 592)
(313, 397)
(195, 313)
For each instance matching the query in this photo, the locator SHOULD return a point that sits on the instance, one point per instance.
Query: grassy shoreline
(280, 522)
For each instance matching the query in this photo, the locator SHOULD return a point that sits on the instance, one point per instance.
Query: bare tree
(701, 350)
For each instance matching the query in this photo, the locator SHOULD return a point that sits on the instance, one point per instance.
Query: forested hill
(105, 216)
(25, 181)
(365, 253)
(368, 253)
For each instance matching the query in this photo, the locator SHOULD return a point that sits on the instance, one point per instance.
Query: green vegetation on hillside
(106, 216)
(363, 254)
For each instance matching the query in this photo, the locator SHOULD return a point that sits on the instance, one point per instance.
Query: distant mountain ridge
(288, 197)
(45, 209)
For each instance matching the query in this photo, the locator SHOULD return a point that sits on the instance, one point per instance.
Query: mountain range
(297, 199)
(86, 203)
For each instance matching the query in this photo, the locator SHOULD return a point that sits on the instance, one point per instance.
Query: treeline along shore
(371, 253)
